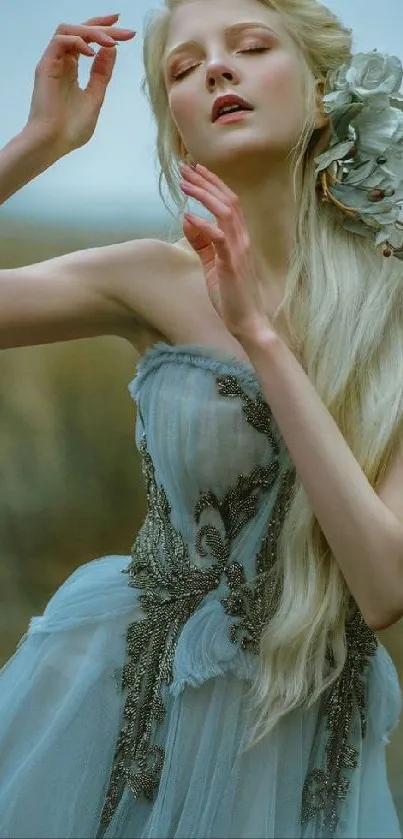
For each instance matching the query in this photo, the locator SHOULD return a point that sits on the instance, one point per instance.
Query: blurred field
(71, 486)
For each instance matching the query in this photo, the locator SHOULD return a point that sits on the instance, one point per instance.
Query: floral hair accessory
(361, 172)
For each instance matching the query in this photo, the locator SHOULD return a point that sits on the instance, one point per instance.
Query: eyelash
(184, 73)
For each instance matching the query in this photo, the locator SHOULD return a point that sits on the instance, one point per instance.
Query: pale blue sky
(115, 175)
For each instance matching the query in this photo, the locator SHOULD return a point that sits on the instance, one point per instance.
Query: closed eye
(177, 76)
(184, 73)
(255, 49)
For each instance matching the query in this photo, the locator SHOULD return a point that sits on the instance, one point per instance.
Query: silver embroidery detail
(173, 589)
(254, 602)
(326, 788)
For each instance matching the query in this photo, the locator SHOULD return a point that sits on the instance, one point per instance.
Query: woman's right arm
(113, 290)
(23, 158)
(98, 291)
(120, 289)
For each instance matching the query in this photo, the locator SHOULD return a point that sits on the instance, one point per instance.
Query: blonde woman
(226, 679)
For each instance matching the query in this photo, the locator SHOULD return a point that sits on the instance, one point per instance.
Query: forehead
(208, 18)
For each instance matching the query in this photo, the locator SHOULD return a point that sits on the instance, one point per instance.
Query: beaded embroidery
(325, 789)
(174, 588)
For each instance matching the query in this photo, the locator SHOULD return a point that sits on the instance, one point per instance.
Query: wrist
(38, 140)
(264, 338)
(26, 156)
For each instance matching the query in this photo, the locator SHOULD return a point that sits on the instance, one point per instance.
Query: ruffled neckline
(209, 357)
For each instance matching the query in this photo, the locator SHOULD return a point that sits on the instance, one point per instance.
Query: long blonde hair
(343, 305)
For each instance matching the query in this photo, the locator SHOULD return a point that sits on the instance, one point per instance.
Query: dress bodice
(212, 444)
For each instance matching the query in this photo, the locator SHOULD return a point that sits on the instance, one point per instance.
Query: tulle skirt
(61, 710)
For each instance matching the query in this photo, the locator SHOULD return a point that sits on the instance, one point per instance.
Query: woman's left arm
(363, 533)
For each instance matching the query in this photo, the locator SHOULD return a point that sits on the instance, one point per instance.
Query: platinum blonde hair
(343, 305)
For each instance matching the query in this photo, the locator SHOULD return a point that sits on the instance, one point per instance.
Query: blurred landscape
(71, 486)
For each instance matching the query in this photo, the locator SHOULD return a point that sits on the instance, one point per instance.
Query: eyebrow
(236, 27)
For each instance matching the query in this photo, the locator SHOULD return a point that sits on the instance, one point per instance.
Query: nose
(219, 71)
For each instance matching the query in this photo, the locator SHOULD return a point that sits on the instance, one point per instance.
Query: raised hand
(60, 110)
(233, 278)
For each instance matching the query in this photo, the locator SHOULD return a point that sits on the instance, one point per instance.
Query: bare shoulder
(131, 255)
(142, 258)
(136, 289)
(147, 280)
(156, 282)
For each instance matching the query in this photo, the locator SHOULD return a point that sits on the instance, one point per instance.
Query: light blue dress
(125, 709)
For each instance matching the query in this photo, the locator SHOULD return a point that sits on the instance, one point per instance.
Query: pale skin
(220, 284)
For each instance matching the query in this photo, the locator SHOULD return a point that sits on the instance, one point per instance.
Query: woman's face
(233, 47)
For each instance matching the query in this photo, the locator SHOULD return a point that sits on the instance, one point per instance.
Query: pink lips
(237, 116)
(226, 101)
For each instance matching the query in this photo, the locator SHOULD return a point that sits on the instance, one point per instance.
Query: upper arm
(92, 292)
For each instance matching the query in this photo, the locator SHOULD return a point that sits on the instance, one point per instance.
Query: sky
(115, 176)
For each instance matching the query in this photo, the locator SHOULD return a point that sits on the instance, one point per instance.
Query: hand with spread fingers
(60, 109)
(224, 249)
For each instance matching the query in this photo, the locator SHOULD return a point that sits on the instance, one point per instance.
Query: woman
(230, 681)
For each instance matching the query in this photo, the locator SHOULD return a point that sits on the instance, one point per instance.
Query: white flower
(366, 108)
(373, 74)
(339, 93)
(378, 130)
(394, 166)
(336, 99)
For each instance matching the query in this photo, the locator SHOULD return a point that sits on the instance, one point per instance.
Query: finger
(202, 246)
(103, 35)
(61, 45)
(102, 21)
(205, 238)
(214, 180)
(217, 187)
(217, 248)
(198, 180)
(201, 233)
(101, 73)
(117, 32)
(215, 205)
(237, 220)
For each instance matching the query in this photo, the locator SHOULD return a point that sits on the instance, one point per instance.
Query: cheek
(181, 104)
(281, 84)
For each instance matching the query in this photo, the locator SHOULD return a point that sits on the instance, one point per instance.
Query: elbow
(386, 621)
(387, 597)
(379, 621)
